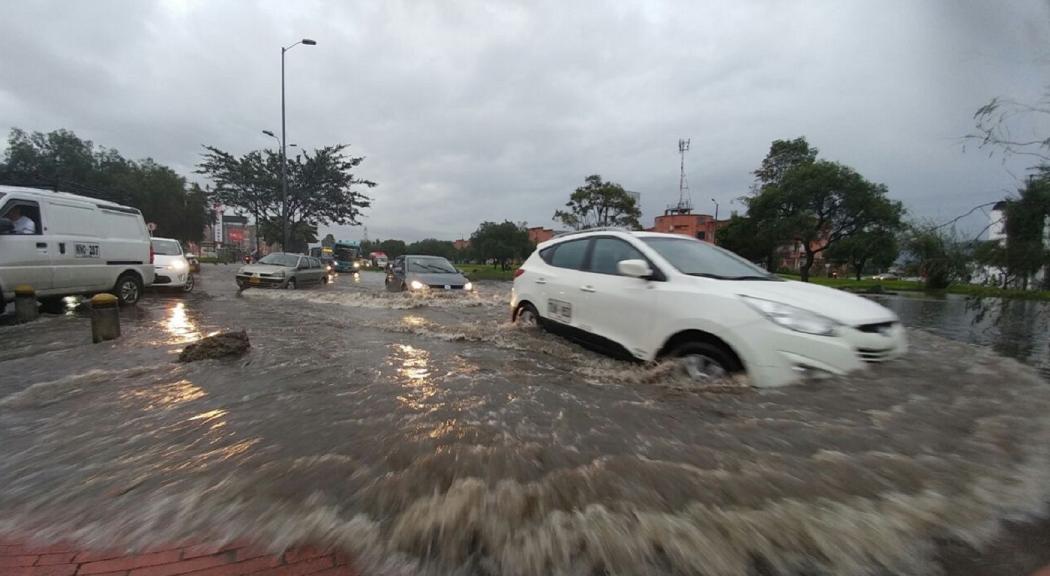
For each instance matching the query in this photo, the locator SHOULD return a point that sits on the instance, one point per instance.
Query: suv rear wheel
(128, 289)
(704, 361)
(527, 316)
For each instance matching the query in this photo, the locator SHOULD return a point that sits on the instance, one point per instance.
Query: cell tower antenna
(685, 200)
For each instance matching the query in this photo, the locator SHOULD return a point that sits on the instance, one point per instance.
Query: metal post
(284, 165)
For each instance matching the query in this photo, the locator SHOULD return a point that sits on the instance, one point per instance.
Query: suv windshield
(166, 247)
(288, 260)
(697, 258)
(430, 266)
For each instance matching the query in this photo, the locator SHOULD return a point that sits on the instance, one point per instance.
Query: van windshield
(166, 247)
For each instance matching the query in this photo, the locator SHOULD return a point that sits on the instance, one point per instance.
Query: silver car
(419, 273)
(282, 270)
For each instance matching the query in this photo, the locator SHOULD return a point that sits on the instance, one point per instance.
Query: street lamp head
(269, 133)
(309, 42)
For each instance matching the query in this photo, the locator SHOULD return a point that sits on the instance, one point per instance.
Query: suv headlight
(416, 285)
(468, 286)
(791, 317)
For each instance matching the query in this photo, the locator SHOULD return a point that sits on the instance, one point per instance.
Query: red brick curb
(236, 559)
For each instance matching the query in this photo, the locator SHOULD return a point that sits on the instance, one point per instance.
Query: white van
(64, 244)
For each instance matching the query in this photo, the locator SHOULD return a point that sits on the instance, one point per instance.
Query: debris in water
(218, 346)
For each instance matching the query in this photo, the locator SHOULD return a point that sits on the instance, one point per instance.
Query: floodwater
(427, 435)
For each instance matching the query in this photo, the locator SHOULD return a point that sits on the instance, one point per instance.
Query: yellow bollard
(105, 318)
(25, 304)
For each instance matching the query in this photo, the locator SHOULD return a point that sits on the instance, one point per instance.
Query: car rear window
(570, 254)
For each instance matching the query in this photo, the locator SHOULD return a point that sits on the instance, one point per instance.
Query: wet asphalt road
(427, 434)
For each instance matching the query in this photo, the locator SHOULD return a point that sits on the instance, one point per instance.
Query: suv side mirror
(634, 268)
(6, 226)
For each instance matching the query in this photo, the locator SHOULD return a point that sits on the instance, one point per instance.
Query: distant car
(171, 266)
(420, 273)
(886, 276)
(282, 270)
(648, 296)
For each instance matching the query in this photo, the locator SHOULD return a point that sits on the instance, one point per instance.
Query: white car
(171, 265)
(650, 295)
(63, 244)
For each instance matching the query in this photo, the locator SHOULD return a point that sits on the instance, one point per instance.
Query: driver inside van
(23, 224)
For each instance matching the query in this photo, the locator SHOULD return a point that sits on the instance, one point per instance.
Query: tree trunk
(806, 265)
(859, 267)
(771, 262)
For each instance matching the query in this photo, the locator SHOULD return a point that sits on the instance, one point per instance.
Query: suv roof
(609, 232)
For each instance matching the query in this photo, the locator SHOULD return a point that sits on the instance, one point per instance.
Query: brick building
(699, 226)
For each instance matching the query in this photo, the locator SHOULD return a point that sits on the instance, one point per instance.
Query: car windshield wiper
(751, 278)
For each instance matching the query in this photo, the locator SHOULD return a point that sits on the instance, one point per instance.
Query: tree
(322, 188)
(745, 235)
(937, 255)
(820, 204)
(63, 161)
(392, 248)
(432, 247)
(1023, 253)
(599, 203)
(877, 246)
(1007, 125)
(783, 155)
(501, 243)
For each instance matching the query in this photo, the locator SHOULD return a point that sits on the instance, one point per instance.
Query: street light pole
(714, 234)
(284, 150)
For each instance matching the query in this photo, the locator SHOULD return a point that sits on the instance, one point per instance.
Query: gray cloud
(471, 111)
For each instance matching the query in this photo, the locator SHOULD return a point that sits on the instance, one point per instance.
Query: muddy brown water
(428, 435)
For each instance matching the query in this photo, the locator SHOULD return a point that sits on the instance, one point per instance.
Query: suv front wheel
(703, 361)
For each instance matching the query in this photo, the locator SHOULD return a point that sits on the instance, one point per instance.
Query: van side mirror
(634, 268)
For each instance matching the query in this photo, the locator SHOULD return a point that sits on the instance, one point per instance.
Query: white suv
(649, 295)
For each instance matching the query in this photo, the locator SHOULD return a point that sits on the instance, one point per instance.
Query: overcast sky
(488, 110)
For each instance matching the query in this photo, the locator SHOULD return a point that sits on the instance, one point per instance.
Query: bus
(345, 255)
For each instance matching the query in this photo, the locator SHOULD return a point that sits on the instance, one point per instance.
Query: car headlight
(416, 285)
(278, 274)
(791, 317)
(328, 268)
(357, 264)
(468, 286)
(179, 265)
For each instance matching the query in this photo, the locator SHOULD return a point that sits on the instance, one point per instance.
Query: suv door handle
(41, 244)
(541, 280)
(588, 288)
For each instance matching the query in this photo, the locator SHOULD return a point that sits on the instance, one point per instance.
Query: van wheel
(702, 361)
(128, 289)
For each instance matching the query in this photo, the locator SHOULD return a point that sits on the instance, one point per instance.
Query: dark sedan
(419, 273)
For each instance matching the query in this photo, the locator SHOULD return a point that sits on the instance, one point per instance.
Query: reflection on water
(179, 325)
(1019, 329)
(154, 397)
(415, 376)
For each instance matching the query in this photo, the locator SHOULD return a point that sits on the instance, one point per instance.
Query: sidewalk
(23, 559)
